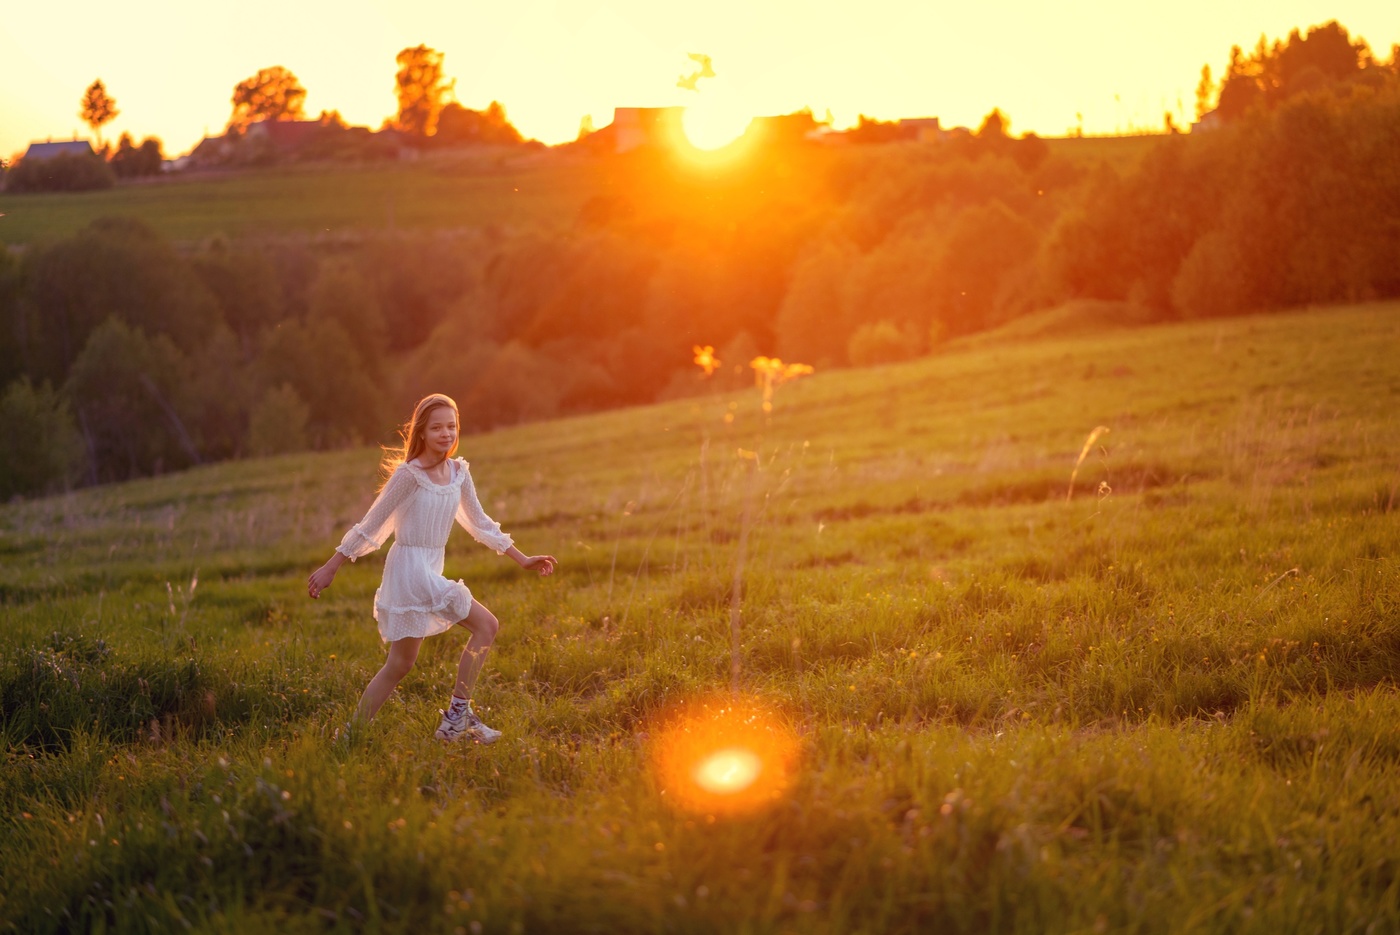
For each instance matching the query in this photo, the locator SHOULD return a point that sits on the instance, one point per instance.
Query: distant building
(642, 126)
(210, 151)
(285, 135)
(41, 151)
(786, 128)
(1208, 121)
(923, 129)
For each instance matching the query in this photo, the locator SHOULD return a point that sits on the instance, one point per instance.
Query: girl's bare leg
(402, 654)
(483, 626)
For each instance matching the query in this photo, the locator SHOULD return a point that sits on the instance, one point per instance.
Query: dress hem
(422, 620)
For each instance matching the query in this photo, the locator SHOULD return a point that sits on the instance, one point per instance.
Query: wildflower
(705, 357)
(768, 372)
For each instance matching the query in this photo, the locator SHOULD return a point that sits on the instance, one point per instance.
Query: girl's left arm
(544, 564)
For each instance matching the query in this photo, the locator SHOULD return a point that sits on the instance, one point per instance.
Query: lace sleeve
(474, 520)
(369, 533)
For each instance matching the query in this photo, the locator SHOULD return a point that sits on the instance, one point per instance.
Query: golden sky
(171, 64)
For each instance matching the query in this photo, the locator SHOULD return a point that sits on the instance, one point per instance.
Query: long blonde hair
(411, 433)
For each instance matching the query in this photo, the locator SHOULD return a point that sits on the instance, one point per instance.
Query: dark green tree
(40, 448)
(124, 388)
(66, 172)
(247, 285)
(340, 294)
(114, 267)
(130, 160)
(320, 362)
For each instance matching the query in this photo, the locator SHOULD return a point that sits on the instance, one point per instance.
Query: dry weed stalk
(1084, 453)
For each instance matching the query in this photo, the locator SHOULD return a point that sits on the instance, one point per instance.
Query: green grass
(1122, 152)
(1165, 704)
(492, 188)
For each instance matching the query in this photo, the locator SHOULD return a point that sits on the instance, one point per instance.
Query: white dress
(414, 599)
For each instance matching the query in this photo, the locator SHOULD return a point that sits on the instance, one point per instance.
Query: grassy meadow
(1164, 703)
(482, 189)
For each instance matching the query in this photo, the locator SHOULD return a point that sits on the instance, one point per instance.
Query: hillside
(447, 191)
(1162, 701)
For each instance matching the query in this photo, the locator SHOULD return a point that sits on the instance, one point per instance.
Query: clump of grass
(77, 685)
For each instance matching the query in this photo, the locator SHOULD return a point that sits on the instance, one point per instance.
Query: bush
(879, 342)
(66, 172)
(458, 124)
(340, 294)
(114, 267)
(131, 160)
(320, 362)
(987, 246)
(1210, 282)
(811, 321)
(40, 448)
(278, 424)
(125, 387)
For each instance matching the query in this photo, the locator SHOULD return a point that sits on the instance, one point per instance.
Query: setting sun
(711, 125)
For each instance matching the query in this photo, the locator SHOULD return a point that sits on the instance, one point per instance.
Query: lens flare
(723, 756)
(728, 771)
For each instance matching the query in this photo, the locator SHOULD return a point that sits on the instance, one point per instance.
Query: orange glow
(1056, 65)
(728, 771)
(769, 372)
(712, 124)
(724, 756)
(705, 357)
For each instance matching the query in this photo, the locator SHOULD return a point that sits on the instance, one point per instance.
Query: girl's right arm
(369, 533)
(322, 577)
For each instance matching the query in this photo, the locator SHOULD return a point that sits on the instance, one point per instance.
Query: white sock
(458, 707)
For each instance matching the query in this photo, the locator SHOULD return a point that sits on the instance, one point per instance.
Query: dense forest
(122, 356)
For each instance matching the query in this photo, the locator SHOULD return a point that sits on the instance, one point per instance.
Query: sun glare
(714, 124)
(726, 756)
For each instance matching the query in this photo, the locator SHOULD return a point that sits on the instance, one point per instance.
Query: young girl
(425, 492)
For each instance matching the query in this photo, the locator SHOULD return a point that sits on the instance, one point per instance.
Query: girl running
(427, 489)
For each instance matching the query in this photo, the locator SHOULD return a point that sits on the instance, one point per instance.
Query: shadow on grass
(75, 684)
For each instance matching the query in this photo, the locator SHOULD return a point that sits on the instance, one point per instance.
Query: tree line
(122, 356)
(427, 115)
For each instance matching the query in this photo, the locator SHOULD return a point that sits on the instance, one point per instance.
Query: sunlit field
(1163, 700)
(460, 191)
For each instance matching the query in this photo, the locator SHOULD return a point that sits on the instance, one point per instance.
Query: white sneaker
(469, 726)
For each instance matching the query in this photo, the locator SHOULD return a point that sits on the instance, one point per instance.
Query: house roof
(49, 150)
(286, 134)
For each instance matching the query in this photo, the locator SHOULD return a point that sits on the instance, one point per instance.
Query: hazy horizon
(172, 70)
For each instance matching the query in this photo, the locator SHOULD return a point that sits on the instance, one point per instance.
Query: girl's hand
(320, 579)
(544, 564)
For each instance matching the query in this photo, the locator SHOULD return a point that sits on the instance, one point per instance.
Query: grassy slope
(482, 190)
(1165, 705)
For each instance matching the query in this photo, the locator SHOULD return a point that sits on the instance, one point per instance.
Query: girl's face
(440, 431)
